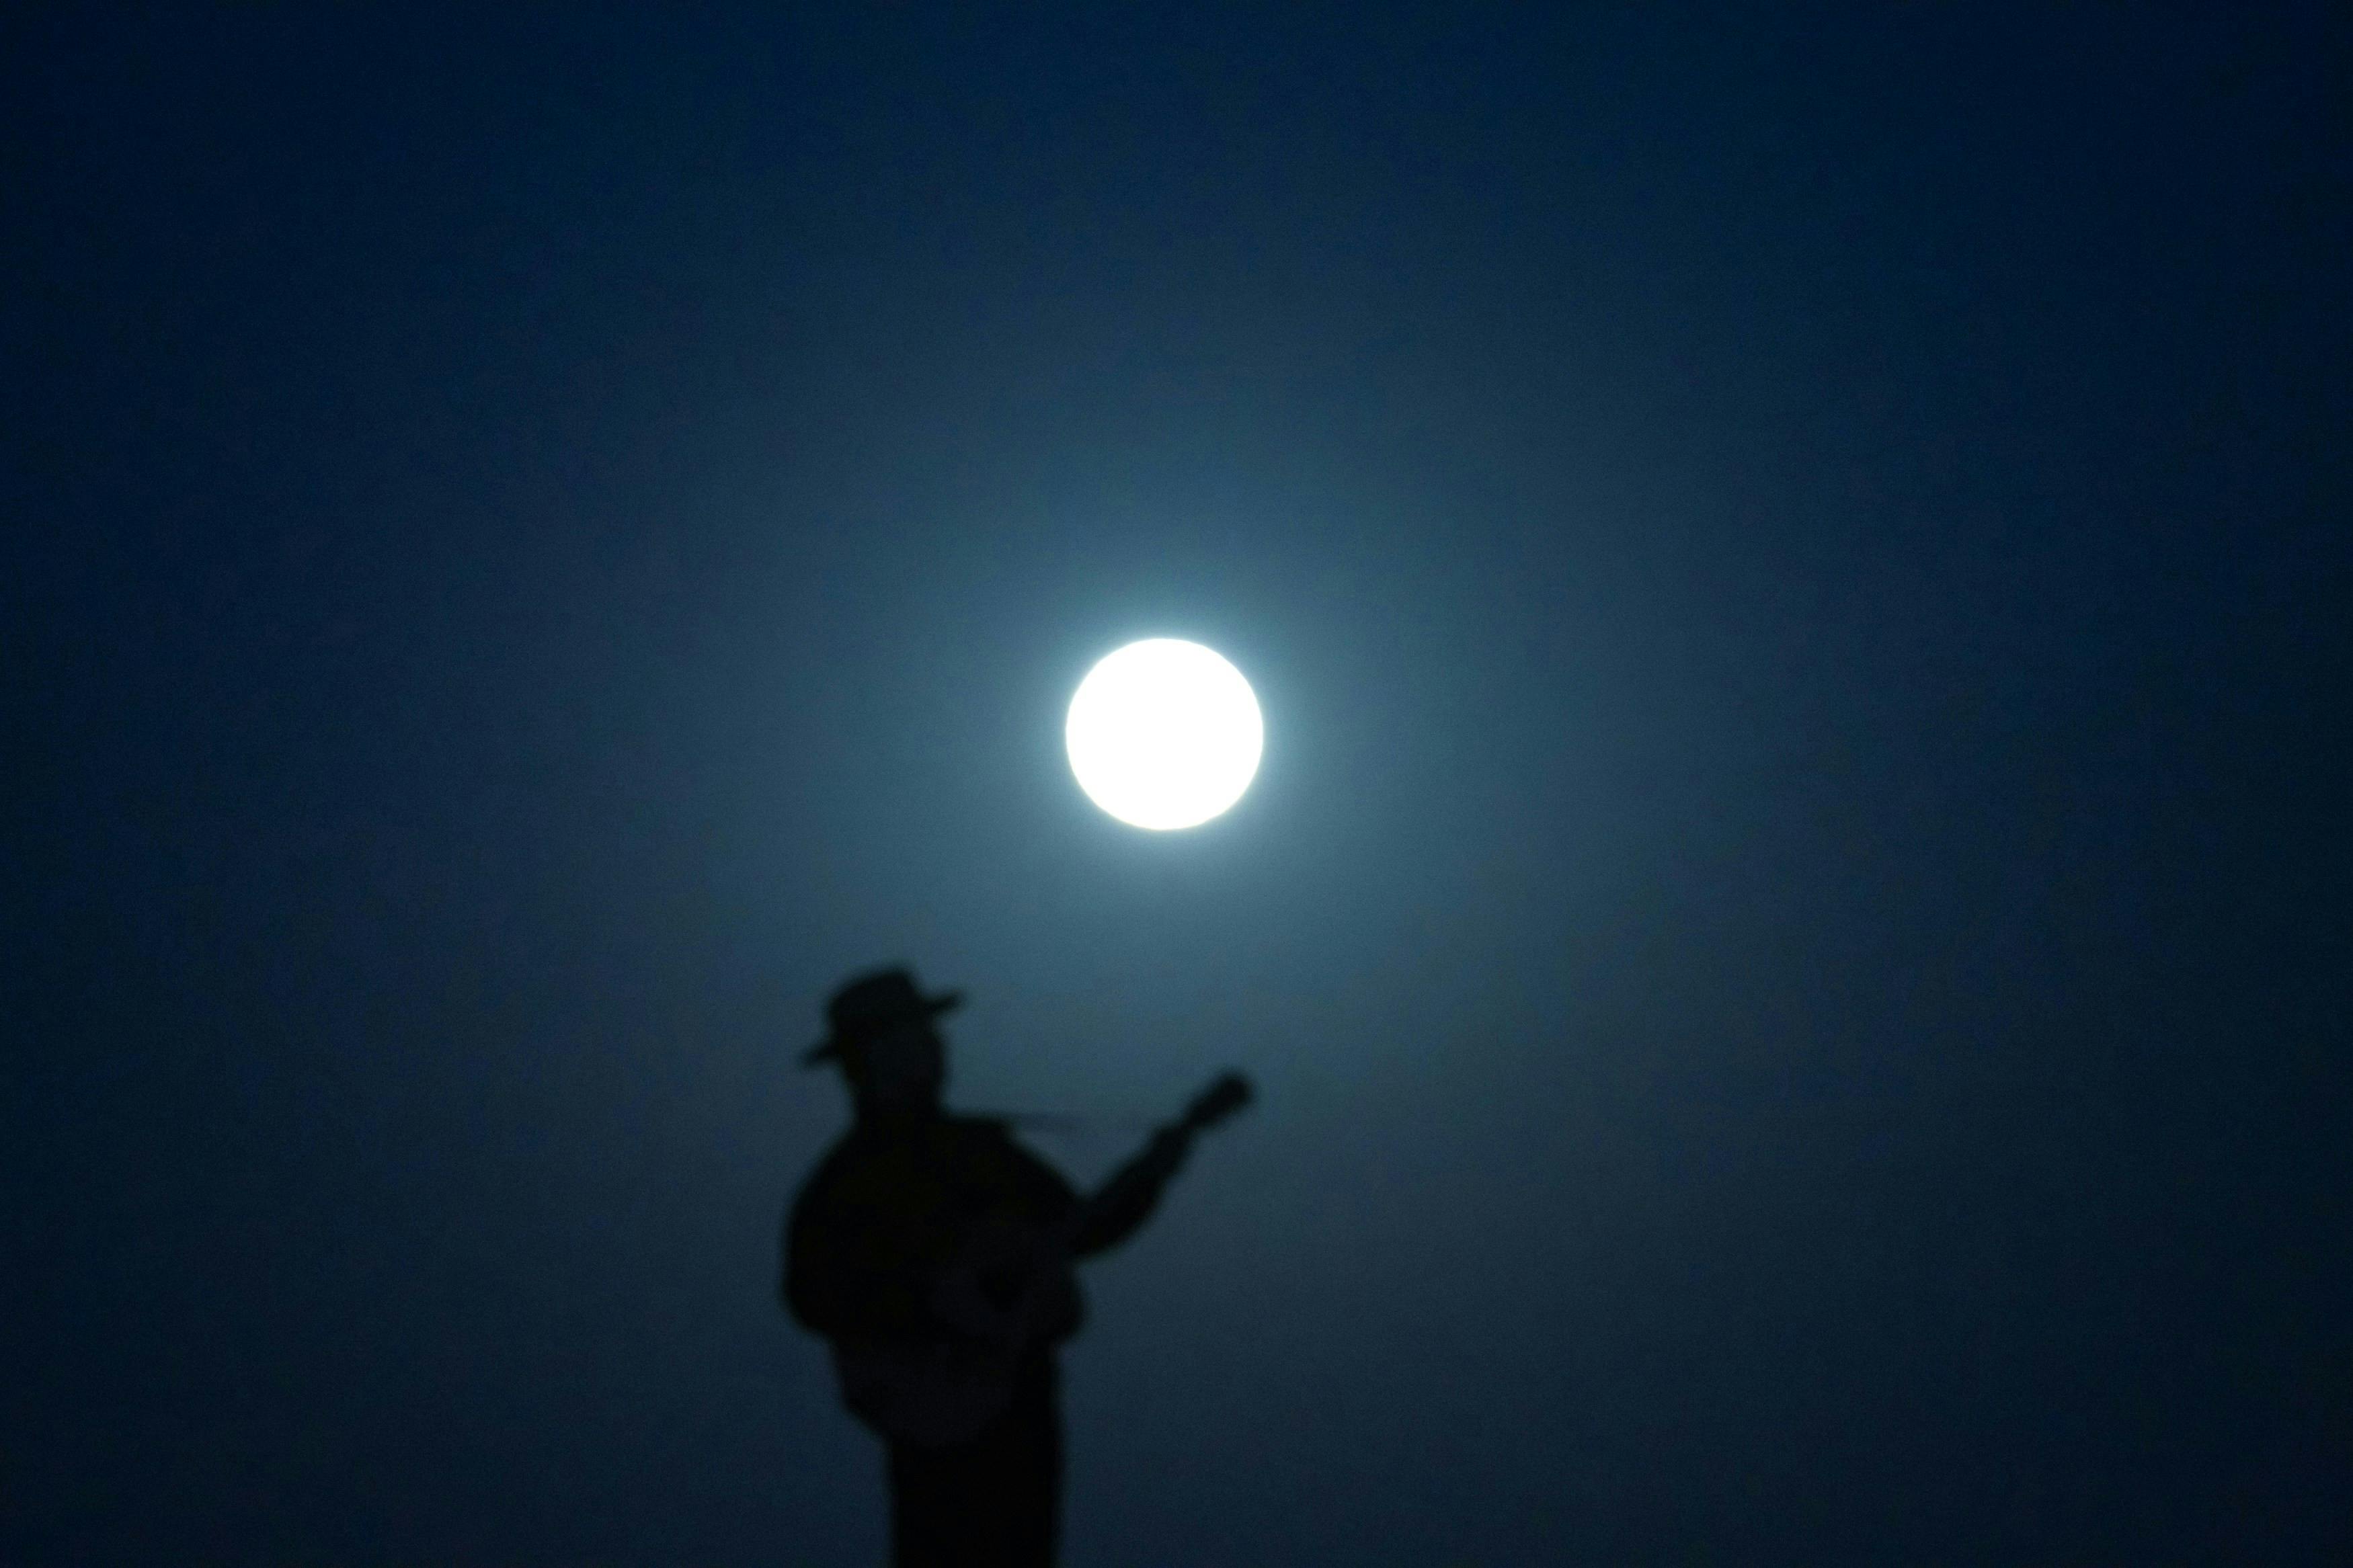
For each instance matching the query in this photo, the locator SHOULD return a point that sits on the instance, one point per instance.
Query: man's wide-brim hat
(874, 1005)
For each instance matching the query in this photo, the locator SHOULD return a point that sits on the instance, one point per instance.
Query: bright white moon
(1164, 734)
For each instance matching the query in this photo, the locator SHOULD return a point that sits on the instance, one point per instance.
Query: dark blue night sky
(1791, 932)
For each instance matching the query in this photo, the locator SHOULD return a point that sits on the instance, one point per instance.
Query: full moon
(1164, 734)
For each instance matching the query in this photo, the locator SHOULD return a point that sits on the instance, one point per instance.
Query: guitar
(1011, 1287)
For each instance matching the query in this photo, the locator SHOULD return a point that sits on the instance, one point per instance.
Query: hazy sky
(1790, 928)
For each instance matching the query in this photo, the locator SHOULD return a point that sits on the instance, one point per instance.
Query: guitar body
(1014, 1289)
(1011, 1290)
(930, 1394)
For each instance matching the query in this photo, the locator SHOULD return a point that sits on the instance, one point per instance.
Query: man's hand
(1226, 1094)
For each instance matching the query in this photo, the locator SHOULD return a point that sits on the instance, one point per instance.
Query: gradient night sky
(1791, 930)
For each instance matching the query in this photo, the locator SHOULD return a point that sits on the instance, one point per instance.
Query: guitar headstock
(1226, 1095)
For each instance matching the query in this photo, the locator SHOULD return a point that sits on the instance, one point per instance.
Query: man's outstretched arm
(1127, 1200)
(1121, 1206)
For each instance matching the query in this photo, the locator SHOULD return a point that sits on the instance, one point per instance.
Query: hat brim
(833, 1046)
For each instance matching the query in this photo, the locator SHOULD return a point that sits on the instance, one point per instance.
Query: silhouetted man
(935, 1253)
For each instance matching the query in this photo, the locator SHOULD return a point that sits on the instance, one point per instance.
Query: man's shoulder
(934, 1142)
(978, 1131)
(947, 1145)
(992, 1160)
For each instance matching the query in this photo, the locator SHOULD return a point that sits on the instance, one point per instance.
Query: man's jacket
(893, 1206)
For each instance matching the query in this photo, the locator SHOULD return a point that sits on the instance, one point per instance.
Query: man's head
(883, 1036)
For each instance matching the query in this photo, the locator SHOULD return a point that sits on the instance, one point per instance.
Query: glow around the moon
(1164, 734)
